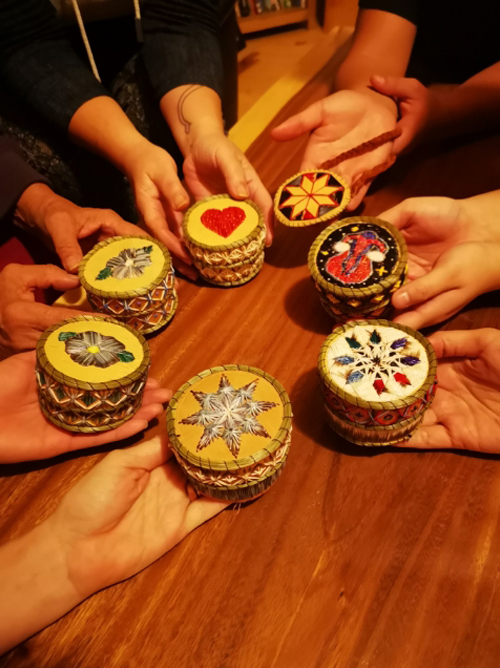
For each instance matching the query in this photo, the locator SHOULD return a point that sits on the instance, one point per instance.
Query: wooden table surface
(356, 557)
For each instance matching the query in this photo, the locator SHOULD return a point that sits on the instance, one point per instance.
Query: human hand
(67, 225)
(458, 276)
(432, 227)
(465, 413)
(160, 198)
(338, 123)
(214, 165)
(126, 513)
(25, 434)
(414, 103)
(22, 320)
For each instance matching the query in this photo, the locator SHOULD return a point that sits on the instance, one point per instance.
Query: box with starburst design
(310, 197)
(131, 279)
(226, 239)
(91, 373)
(378, 380)
(356, 265)
(230, 429)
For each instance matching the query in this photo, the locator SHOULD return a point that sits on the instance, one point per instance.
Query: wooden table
(356, 557)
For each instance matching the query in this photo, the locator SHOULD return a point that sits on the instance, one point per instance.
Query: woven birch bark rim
(48, 368)
(346, 291)
(155, 328)
(249, 476)
(223, 247)
(241, 494)
(88, 429)
(229, 465)
(233, 256)
(333, 213)
(377, 405)
(366, 437)
(125, 293)
(229, 277)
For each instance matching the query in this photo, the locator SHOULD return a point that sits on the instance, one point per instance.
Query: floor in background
(265, 59)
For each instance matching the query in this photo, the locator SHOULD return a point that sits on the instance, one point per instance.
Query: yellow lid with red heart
(220, 222)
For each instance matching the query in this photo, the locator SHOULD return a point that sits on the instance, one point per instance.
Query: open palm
(465, 413)
(25, 434)
(338, 123)
(430, 226)
(126, 513)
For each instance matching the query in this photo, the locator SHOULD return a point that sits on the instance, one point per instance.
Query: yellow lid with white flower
(93, 353)
(311, 197)
(125, 266)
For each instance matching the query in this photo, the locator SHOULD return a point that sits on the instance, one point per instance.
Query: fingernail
(378, 79)
(180, 203)
(403, 299)
(244, 194)
(72, 263)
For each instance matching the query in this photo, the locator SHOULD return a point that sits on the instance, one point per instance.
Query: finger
(436, 282)
(65, 241)
(111, 224)
(173, 191)
(185, 269)
(408, 126)
(469, 343)
(201, 510)
(358, 198)
(234, 174)
(262, 198)
(429, 438)
(48, 275)
(41, 316)
(435, 310)
(156, 396)
(147, 455)
(400, 88)
(155, 219)
(297, 125)
(400, 215)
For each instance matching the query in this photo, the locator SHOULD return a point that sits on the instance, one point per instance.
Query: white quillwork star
(228, 414)
(312, 193)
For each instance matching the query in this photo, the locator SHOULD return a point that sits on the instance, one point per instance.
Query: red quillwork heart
(223, 222)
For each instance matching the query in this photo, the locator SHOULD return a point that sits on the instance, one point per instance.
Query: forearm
(381, 45)
(35, 586)
(470, 107)
(103, 127)
(16, 176)
(192, 111)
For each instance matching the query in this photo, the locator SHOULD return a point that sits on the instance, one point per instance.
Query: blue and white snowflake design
(229, 413)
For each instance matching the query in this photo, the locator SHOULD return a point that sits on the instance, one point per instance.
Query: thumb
(65, 241)
(297, 125)
(400, 88)
(202, 510)
(147, 455)
(234, 175)
(48, 275)
(437, 281)
(471, 343)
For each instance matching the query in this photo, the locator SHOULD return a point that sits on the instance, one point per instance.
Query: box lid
(229, 417)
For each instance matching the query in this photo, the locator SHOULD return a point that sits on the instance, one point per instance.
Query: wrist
(202, 130)
(33, 204)
(380, 99)
(483, 212)
(131, 151)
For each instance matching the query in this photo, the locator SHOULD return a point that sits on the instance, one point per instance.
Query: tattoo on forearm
(180, 106)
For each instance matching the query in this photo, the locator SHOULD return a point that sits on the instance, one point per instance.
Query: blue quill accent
(410, 360)
(344, 359)
(354, 376)
(399, 343)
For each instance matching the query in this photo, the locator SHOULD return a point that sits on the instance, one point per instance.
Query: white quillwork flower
(229, 413)
(130, 263)
(94, 349)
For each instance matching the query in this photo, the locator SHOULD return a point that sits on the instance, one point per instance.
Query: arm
(382, 45)
(15, 175)
(129, 510)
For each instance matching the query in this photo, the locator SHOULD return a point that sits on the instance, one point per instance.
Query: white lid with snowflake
(219, 223)
(228, 418)
(124, 267)
(93, 353)
(377, 364)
